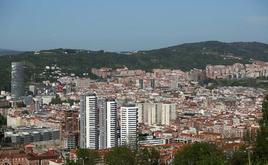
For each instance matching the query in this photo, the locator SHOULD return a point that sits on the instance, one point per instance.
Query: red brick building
(20, 157)
(12, 156)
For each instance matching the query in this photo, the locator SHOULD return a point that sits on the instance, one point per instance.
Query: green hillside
(185, 57)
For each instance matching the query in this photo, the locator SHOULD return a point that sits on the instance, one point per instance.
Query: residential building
(107, 123)
(89, 116)
(129, 123)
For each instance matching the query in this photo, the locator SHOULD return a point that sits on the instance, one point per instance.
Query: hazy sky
(128, 24)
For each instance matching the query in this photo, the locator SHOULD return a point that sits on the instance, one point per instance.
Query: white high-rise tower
(108, 123)
(111, 124)
(89, 119)
(129, 125)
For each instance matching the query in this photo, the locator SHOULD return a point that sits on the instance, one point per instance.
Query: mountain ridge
(183, 56)
(171, 46)
(9, 52)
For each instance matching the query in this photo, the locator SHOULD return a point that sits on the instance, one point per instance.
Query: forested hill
(184, 56)
(198, 55)
(8, 52)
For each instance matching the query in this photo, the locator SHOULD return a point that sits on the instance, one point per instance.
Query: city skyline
(133, 82)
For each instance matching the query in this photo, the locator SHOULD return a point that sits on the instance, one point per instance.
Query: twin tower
(99, 123)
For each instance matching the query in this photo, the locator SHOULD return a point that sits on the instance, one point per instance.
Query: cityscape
(196, 103)
(165, 108)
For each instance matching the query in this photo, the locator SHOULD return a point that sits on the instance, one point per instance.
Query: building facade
(156, 113)
(112, 138)
(107, 123)
(89, 116)
(129, 125)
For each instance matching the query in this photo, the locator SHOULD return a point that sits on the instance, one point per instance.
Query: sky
(122, 25)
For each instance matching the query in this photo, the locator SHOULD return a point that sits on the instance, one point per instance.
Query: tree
(87, 157)
(199, 154)
(3, 121)
(261, 149)
(239, 157)
(120, 156)
(148, 156)
(56, 100)
(71, 162)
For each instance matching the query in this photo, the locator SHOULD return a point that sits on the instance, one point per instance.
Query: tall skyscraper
(108, 123)
(102, 123)
(89, 119)
(129, 125)
(111, 124)
(17, 80)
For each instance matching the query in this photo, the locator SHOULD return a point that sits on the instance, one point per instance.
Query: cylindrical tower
(17, 80)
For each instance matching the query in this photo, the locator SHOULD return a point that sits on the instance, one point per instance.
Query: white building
(168, 113)
(149, 113)
(107, 124)
(47, 99)
(152, 114)
(140, 112)
(111, 124)
(129, 124)
(89, 115)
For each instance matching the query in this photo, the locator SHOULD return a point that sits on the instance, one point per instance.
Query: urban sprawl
(166, 109)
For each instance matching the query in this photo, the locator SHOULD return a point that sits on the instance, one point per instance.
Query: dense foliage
(199, 154)
(261, 148)
(239, 157)
(120, 156)
(56, 100)
(148, 156)
(185, 57)
(86, 157)
(126, 156)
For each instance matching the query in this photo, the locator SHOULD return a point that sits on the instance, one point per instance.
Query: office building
(17, 80)
(25, 135)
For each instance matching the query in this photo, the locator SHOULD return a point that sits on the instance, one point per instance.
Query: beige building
(156, 113)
